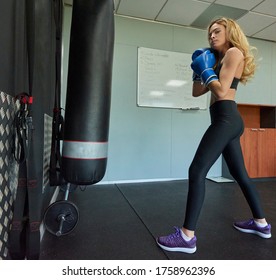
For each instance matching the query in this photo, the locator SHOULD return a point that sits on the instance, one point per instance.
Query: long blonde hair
(237, 39)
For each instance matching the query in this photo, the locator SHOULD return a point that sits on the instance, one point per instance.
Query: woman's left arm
(231, 61)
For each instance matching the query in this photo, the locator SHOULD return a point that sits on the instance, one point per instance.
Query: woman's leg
(210, 148)
(235, 162)
(234, 159)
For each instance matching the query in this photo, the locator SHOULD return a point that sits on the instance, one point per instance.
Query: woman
(219, 70)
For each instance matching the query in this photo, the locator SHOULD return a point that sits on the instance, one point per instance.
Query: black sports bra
(235, 81)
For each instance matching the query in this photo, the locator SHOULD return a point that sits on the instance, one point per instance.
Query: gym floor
(121, 221)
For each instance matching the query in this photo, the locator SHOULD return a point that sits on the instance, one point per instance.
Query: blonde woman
(219, 69)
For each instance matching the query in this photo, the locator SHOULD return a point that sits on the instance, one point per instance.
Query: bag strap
(58, 121)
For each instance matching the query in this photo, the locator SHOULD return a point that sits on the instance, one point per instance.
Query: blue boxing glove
(203, 67)
(196, 78)
(196, 53)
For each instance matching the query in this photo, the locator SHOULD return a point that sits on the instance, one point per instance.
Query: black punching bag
(86, 125)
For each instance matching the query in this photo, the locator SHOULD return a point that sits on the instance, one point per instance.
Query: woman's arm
(230, 64)
(199, 89)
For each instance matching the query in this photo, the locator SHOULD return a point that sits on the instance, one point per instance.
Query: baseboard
(139, 181)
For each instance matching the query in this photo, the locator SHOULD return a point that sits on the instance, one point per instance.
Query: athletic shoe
(175, 243)
(251, 227)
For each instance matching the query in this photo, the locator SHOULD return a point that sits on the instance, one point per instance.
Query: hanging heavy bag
(86, 124)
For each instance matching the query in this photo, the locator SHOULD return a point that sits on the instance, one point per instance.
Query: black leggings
(222, 137)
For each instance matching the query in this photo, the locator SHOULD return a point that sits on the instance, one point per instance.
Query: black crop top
(235, 81)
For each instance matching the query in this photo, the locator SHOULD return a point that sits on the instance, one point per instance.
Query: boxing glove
(203, 67)
(196, 53)
(196, 78)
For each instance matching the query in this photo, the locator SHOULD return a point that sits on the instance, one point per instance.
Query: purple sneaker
(251, 227)
(175, 242)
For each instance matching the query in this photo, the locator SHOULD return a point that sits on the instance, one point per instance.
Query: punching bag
(87, 110)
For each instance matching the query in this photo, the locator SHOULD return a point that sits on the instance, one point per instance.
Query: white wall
(261, 90)
(155, 143)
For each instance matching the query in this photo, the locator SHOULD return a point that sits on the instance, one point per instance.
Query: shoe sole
(263, 235)
(177, 249)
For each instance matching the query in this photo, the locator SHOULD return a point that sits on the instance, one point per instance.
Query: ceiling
(256, 17)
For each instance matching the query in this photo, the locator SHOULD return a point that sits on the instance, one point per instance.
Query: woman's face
(217, 37)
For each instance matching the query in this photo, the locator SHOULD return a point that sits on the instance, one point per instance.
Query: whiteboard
(165, 80)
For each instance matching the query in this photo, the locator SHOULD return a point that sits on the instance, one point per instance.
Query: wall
(261, 89)
(153, 143)
(13, 72)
